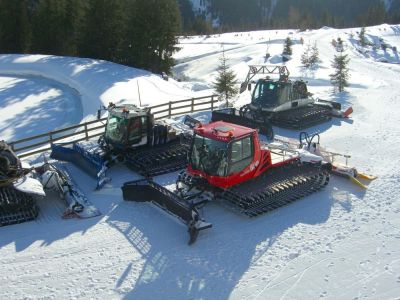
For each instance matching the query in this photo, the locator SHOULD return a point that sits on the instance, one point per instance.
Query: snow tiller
(281, 102)
(21, 184)
(311, 144)
(133, 137)
(227, 163)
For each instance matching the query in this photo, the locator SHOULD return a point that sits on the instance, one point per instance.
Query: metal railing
(85, 131)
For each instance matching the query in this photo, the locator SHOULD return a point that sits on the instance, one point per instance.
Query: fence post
(86, 132)
(192, 105)
(51, 138)
(169, 109)
(212, 102)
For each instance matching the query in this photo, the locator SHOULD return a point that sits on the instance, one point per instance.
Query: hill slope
(340, 243)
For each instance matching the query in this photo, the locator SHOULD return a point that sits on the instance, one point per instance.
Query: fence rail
(41, 143)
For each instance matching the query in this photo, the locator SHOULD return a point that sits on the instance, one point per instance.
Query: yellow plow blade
(366, 176)
(357, 182)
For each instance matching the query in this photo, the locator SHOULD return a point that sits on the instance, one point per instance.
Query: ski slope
(340, 243)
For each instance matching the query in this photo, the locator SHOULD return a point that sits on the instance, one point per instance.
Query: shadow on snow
(214, 265)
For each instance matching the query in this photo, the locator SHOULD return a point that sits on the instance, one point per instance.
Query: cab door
(136, 133)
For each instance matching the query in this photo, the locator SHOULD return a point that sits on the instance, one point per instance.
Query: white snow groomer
(131, 136)
(280, 102)
(21, 184)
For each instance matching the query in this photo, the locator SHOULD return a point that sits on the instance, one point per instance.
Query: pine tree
(201, 26)
(152, 35)
(305, 57)
(340, 77)
(327, 19)
(314, 56)
(287, 48)
(187, 15)
(361, 36)
(45, 27)
(226, 80)
(15, 33)
(102, 33)
(310, 56)
(71, 24)
(376, 14)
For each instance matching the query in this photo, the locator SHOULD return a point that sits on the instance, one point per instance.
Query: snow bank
(98, 82)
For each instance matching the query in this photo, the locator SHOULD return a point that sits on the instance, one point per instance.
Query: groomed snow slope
(340, 243)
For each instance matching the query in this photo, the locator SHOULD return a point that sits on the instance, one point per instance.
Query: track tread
(302, 118)
(158, 160)
(16, 207)
(274, 189)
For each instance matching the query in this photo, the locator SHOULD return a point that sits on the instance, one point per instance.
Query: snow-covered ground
(29, 100)
(76, 87)
(340, 243)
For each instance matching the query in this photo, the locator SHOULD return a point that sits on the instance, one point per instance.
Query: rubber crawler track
(302, 118)
(159, 160)
(16, 207)
(276, 188)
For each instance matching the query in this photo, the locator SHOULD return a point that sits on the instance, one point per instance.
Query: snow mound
(98, 82)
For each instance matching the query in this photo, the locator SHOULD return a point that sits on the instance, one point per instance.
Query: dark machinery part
(275, 188)
(295, 119)
(15, 206)
(158, 160)
(146, 190)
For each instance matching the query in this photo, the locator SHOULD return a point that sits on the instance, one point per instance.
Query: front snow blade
(366, 176)
(144, 190)
(84, 158)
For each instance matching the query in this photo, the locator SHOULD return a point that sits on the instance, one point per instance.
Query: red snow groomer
(228, 163)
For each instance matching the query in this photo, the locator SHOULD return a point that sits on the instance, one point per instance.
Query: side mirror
(249, 87)
(102, 107)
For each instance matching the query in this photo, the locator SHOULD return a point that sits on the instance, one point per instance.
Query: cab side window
(134, 129)
(242, 153)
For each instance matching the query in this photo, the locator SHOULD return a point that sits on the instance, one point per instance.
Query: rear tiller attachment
(185, 210)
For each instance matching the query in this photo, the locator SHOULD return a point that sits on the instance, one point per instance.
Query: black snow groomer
(285, 103)
(16, 205)
(131, 136)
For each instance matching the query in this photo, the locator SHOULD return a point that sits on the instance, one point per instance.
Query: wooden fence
(85, 131)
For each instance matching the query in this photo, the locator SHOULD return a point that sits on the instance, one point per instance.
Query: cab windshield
(209, 156)
(266, 93)
(116, 128)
